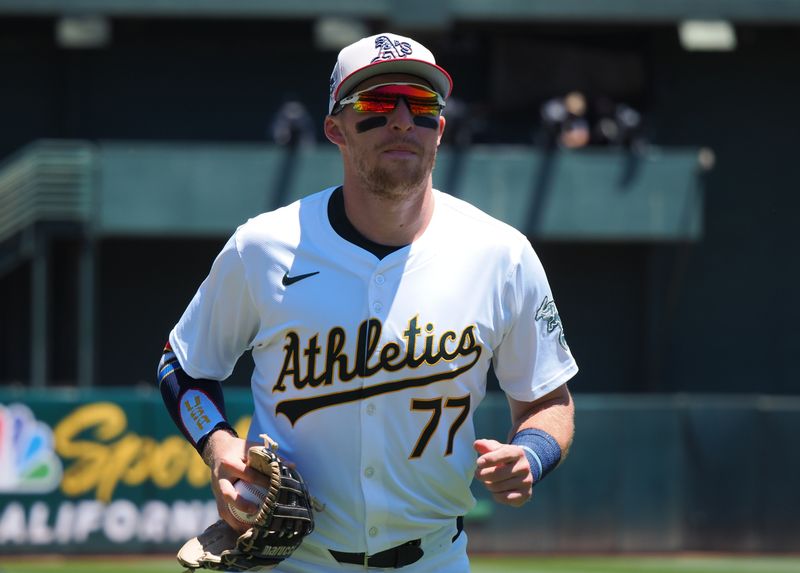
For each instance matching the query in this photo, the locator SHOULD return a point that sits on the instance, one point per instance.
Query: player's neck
(395, 221)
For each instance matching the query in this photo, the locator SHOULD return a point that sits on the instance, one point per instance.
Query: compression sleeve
(197, 406)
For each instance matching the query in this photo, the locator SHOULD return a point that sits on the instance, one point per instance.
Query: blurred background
(646, 149)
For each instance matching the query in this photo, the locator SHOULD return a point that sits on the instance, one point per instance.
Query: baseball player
(373, 310)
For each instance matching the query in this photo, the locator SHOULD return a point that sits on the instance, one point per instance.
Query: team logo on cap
(388, 50)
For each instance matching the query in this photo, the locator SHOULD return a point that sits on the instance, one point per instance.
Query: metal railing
(46, 181)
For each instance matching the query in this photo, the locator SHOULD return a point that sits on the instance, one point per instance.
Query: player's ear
(442, 123)
(333, 131)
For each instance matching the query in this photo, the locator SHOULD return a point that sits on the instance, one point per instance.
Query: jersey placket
(373, 437)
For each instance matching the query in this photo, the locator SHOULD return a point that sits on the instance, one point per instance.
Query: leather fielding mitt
(281, 523)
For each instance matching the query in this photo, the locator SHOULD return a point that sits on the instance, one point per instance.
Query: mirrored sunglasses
(383, 98)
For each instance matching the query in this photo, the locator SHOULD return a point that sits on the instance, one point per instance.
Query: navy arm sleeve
(197, 406)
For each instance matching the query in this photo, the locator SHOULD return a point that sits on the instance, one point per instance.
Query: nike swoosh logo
(287, 280)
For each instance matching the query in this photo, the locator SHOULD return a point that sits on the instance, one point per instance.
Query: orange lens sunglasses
(383, 98)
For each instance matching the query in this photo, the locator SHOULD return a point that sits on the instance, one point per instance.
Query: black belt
(396, 557)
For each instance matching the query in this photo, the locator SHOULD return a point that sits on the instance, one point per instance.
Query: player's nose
(401, 117)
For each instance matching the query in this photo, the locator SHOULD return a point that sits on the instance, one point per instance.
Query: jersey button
(379, 279)
(369, 472)
(373, 531)
(377, 307)
(370, 409)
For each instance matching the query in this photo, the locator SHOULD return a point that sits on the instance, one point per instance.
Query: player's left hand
(503, 469)
(283, 519)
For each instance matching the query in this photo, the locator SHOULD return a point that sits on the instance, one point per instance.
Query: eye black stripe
(371, 123)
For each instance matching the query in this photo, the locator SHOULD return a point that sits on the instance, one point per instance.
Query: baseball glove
(282, 522)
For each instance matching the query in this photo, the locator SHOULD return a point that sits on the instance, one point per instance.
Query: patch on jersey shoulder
(549, 313)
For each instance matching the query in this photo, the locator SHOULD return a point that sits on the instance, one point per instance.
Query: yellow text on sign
(101, 454)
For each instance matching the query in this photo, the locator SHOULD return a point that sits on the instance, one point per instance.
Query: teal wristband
(541, 450)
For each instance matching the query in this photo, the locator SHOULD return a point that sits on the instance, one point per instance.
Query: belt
(396, 557)
(400, 556)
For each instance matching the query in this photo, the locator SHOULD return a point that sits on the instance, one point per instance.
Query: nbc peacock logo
(28, 463)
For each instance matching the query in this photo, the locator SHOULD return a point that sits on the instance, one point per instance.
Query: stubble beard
(396, 182)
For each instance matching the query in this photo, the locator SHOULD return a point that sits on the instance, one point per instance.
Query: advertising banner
(104, 471)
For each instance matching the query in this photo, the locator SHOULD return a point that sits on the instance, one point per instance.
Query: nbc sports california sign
(99, 472)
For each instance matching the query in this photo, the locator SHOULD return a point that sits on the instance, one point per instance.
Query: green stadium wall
(107, 472)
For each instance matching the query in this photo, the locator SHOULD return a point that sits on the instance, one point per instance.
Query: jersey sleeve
(220, 322)
(532, 358)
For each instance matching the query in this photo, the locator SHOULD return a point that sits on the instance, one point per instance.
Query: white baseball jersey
(368, 372)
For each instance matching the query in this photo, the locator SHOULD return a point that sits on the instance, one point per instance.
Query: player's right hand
(226, 455)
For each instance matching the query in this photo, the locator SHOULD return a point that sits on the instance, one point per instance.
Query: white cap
(385, 54)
